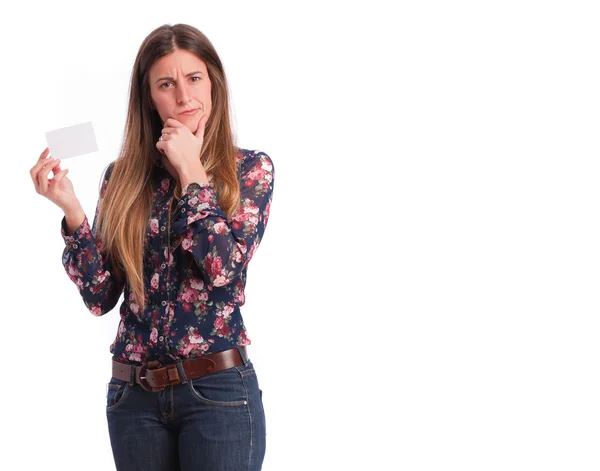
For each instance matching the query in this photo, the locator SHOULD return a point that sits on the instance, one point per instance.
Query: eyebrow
(187, 75)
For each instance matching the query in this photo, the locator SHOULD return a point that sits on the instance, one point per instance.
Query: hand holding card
(64, 143)
(57, 189)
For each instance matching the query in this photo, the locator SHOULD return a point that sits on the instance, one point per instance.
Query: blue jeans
(216, 422)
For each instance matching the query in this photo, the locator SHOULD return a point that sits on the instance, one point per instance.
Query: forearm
(220, 245)
(93, 275)
(73, 218)
(192, 174)
(221, 248)
(90, 269)
(85, 262)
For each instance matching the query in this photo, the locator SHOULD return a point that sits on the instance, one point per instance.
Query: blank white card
(72, 141)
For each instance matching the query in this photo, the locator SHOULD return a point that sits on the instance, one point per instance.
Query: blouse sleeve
(88, 266)
(222, 248)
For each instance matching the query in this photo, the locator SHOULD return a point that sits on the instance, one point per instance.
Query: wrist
(193, 175)
(72, 209)
(74, 217)
(193, 185)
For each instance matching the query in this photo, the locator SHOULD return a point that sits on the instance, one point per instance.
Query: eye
(163, 85)
(196, 78)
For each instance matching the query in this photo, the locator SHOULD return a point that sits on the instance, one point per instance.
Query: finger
(172, 122)
(201, 125)
(46, 171)
(160, 147)
(40, 163)
(45, 153)
(169, 130)
(42, 179)
(56, 168)
(34, 172)
(58, 178)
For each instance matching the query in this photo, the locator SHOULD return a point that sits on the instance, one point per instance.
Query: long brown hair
(126, 207)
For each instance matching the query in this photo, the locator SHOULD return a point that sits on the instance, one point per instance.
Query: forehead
(178, 62)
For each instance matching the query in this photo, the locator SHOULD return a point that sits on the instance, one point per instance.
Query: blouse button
(75, 246)
(162, 228)
(161, 338)
(164, 303)
(183, 210)
(162, 265)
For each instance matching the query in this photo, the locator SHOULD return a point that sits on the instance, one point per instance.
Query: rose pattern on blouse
(195, 266)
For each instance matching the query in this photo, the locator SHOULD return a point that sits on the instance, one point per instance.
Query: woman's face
(179, 82)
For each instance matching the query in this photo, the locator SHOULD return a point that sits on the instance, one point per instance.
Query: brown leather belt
(153, 377)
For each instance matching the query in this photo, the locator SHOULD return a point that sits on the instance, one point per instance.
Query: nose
(182, 94)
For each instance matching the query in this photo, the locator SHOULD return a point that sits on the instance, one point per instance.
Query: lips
(189, 112)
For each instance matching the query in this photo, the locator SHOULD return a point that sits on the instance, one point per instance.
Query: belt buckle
(152, 365)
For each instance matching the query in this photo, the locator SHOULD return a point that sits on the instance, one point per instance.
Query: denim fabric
(216, 422)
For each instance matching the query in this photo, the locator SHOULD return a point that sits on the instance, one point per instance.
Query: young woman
(181, 212)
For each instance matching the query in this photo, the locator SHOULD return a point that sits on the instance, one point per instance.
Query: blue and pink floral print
(194, 267)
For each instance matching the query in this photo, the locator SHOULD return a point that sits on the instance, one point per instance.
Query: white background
(426, 293)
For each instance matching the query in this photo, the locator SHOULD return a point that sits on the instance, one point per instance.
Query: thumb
(201, 125)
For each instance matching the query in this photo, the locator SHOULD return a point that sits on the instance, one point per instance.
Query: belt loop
(244, 357)
(132, 375)
(182, 375)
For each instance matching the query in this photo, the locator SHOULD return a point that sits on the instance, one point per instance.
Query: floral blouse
(194, 276)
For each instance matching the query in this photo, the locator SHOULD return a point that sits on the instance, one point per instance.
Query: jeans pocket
(117, 391)
(250, 380)
(223, 388)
